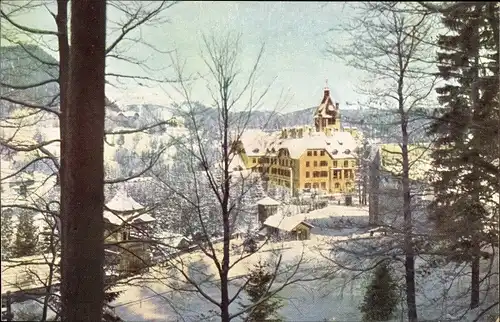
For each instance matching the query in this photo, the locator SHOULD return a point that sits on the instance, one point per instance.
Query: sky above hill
(295, 61)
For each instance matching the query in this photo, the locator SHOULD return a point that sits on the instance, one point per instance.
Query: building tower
(327, 115)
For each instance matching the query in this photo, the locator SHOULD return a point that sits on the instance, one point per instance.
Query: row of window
(290, 163)
(317, 174)
(281, 172)
(337, 174)
(335, 164)
(281, 162)
(348, 174)
(317, 185)
(315, 153)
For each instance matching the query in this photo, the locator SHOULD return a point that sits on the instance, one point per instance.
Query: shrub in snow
(257, 290)
(250, 245)
(381, 297)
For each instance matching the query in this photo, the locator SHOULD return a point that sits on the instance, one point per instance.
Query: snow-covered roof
(125, 209)
(171, 239)
(123, 202)
(268, 201)
(286, 223)
(259, 143)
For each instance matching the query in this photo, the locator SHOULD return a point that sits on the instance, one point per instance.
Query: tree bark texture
(83, 257)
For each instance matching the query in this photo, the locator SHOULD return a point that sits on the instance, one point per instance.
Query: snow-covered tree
(25, 243)
(381, 296)
(261, 306)
(7, 232)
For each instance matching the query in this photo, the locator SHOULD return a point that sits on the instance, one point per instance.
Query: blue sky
(295, 35)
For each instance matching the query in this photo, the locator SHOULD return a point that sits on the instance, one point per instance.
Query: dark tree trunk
(475, 281)
(62, 38)
(82, 275)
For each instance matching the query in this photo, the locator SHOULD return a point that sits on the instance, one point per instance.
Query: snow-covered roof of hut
(268, 201)
(172, 239)
(130, 210)
(286, 223)
(123, 202)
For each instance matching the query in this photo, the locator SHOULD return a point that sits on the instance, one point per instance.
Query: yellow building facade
(320, 157)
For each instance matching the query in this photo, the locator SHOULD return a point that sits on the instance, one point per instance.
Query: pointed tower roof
(131, 211)
(123, 202)
(327, 108)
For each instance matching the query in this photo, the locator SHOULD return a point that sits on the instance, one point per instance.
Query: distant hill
(27, 65)
(374, 123)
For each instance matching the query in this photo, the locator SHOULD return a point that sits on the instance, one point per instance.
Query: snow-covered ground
(150, 298)
(332, 298)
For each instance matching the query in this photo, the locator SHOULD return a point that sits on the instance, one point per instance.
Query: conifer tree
(381, 296)
(26, 235)
(466, 134)
(262, 306)
(7, 233)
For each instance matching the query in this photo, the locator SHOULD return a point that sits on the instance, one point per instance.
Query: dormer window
(255, 150)
(340, 142)
(347, 151)
(335, 152)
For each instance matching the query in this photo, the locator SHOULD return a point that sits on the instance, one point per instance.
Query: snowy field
(330, 299)
(163, 294)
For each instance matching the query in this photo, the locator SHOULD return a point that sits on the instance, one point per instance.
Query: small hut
(288, 228)
(267, 207)
(127, 222)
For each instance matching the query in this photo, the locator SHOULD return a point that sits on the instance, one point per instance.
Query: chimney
(337, 105)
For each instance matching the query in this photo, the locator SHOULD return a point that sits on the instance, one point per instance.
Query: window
(307, 185)
(315, 153)
(324, 174)
(307, 174)
(309, 153)
(323, 163)
(315, 163)
(335, 174)
(346, 174)
(307, 163)
(322, 153)
(323, 185)
(346, 164)
(254, 161)
(23, 190)
(124, 235)
(335, 164)
(337, 185)
(315, 185)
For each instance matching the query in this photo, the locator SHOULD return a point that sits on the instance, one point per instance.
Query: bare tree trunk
(225, 212)
(82, 276)
(62, 38)
(408, 225)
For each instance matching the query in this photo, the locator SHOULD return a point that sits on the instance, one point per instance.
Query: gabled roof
(268, 201)
(286, 223)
